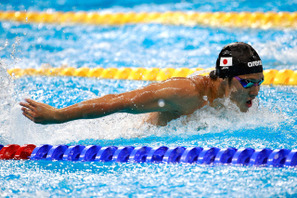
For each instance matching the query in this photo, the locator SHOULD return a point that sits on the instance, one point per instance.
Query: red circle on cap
(225, 61)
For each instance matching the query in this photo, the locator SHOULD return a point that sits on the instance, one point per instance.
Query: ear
(224, 87)
(230, 86)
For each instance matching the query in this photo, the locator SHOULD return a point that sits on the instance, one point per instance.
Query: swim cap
(238, 59)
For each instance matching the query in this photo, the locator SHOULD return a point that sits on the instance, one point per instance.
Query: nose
(254, 90)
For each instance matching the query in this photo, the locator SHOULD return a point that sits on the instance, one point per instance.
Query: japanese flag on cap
(226, 61)
(237, 59)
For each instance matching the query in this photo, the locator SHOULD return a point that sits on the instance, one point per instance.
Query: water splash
(223, 119)
(7, 101)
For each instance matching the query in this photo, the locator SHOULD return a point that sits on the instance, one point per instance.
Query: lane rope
(263, 20)
(271, 76)
(144, 154)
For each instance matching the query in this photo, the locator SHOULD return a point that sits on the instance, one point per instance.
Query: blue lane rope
(194, 155)
(214, 155)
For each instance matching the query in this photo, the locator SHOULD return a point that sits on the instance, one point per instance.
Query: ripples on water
(148, 180)
(137, 45)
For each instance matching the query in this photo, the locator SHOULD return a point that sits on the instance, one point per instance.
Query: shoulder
(180, 87)
(200, 80)
(179, 83)
(202, 83)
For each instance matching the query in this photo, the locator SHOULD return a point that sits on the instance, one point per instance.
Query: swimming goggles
(248, 83)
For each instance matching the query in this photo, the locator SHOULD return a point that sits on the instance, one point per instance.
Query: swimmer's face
(243, 97)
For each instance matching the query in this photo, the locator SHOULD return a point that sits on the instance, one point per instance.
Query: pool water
(270, 124)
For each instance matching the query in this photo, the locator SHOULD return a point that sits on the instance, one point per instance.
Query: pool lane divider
(144, 154)
(264, 20)
(271, 76)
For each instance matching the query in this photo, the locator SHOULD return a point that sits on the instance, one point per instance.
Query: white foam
(228, 118)
(24, 131)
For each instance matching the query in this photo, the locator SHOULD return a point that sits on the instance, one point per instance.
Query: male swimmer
(238, 75)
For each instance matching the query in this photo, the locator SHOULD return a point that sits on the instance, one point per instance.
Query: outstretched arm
(142, 100)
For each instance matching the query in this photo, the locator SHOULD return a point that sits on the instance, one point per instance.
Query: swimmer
(238, 75)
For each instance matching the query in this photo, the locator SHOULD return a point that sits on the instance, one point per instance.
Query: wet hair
(214, 76)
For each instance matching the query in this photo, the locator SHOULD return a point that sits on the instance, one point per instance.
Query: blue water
(150, 5)
(272, 125)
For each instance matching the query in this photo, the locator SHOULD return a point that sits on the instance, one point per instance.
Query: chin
(244, 110)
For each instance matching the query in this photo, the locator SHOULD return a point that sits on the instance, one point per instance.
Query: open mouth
(249, 103)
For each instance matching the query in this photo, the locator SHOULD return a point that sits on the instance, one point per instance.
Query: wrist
(59, 116)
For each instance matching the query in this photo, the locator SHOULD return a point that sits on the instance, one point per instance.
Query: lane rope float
(264, 20)
(271, 76)
(144, 154)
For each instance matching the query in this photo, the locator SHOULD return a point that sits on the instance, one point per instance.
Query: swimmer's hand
(39, 112)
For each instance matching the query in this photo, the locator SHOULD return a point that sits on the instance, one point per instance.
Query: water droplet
(161, 103)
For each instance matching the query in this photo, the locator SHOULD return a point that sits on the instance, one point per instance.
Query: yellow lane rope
(272, 76)
(215, 19)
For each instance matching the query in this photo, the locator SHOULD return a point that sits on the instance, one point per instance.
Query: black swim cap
(238, 59)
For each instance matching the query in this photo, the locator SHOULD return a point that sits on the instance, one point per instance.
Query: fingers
(28, 112)
(27, 105)
(31, 102)
(34, 111)
(28, 116)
